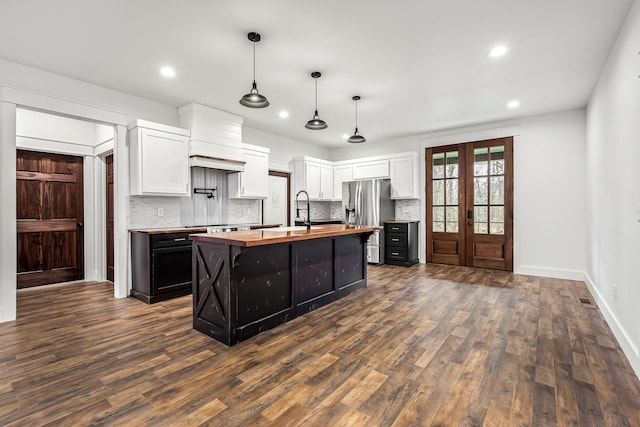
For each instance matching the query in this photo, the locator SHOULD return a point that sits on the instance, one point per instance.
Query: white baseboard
(555, 273)
(628, 347)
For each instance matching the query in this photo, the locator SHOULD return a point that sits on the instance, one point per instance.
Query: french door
(470, 204)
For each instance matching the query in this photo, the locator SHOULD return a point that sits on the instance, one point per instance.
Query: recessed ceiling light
(345, 136)
(498, 51)
(513, 104)
(283, 114)
(167, 72)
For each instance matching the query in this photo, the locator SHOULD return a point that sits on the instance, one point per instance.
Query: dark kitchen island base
(240, 291)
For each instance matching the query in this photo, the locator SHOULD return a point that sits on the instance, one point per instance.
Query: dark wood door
(470, 204)
(109, 216)
(50, 215)
(446, 205)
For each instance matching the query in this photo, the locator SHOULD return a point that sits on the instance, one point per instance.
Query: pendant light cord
(316, 95)
(356, 116)
(254, 62)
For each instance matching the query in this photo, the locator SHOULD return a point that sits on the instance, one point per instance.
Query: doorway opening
(276, 209)
(469, 204)
(62, 200)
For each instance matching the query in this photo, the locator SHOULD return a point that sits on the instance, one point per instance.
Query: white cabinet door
(312, 179)
(369, 170)
(326, 182)
(404, 178)
(253, 182)
(341, 174)
(159, 163)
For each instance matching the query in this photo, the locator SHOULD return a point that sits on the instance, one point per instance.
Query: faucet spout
(308, 221)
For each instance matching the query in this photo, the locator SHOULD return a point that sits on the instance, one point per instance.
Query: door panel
(276, 207)
(470, 204)
(489, 228)
(109, 216)
(445, 205)
(49, 213)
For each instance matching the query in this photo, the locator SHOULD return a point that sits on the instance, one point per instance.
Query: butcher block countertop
(271, 236)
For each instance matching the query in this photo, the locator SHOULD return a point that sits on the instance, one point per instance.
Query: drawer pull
(395, 240)
(395, 253)
(395, 228)
(180, 240)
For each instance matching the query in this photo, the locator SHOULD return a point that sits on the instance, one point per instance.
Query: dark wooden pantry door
(50, 215)
(470, 204)
(109, 216)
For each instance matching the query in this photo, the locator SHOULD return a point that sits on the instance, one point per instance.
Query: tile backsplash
(144, 210)
(244, 211)
(408, 210)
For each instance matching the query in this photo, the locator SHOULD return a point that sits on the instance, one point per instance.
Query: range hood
(216, 137)
(216, 163)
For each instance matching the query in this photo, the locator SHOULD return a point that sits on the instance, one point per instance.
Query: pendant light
(316, 123)
(253, 99)
(356, 138)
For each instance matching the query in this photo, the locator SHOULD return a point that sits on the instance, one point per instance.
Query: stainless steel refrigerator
(369, 203)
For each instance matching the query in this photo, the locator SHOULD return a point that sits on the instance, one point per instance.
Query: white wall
(283, 149)
(549, 193)
(550, 196)
(368, 149)
(34, 124)
(613, 158)
(24, 77)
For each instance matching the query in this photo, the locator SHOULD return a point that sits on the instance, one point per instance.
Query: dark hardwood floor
(426, 345)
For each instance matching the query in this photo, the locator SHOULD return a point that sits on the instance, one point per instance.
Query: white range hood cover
(216, 163)
(216, 137)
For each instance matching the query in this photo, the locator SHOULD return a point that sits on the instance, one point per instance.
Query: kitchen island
(245, 282)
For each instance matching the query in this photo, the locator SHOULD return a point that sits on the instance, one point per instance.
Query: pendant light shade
(356, 138)
(316, 123)
(253, 99)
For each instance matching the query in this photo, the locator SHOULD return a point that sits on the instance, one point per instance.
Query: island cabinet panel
(212, 295)
(313, 272)
(240, 291)
(263, 289)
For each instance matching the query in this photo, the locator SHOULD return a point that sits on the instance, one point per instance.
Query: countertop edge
(269, 237)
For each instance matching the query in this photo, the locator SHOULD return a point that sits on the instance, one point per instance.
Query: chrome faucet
(308, 222)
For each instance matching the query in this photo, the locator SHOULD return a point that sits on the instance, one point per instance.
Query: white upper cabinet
(158, 159)
(253, 182)
(371, 169)
(341, 173)
(404, 177)
(314, 176)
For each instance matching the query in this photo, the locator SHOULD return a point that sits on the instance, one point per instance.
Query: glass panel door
(470, 204)
(444, 198)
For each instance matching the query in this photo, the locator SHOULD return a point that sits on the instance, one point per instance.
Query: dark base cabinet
(239, 291)
(401, 239)
(160, 266)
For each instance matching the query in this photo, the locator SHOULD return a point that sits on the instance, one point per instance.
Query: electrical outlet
(615, 291)
(160, 211)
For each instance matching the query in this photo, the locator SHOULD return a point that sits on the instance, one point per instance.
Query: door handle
(470, 217)
(80, 224)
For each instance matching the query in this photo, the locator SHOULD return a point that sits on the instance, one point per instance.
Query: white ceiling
(419, 65)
